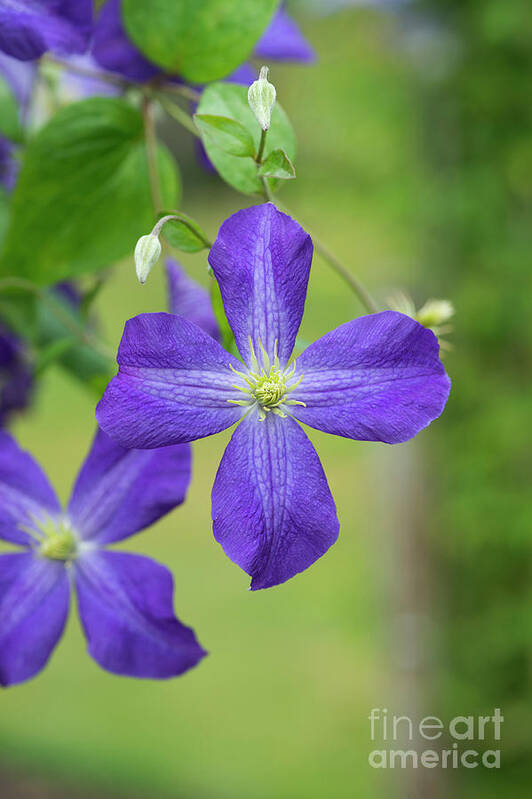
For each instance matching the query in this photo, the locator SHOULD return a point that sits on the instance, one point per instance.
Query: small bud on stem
(261, 98)
(147, 253)
(435, 312)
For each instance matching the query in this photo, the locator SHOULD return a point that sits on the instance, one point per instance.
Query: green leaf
(18, 311)
(184, 234)
(55, 342)
(83, 196)
(277, 165)
(231, 100)
(52, 352)
(4, 213)
(201, 40)
(10, 126)
(225, 133)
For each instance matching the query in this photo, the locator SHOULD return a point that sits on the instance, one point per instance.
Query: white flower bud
(147, 253)
(261, 98)
(434, 313)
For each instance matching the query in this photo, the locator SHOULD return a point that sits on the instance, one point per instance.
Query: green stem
(85, 72)
(183, 91)
(83, 335)
(151, 153)
(260, 153)
(184, 221)
(178, 114)
(359, 289)
(122, 82)
(353, 282)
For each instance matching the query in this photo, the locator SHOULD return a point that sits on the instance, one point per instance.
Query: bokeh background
(415, 166)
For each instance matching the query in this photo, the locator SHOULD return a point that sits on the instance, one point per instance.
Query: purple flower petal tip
(122, 491)
(174, 385)
(34, 600)
(261, 259)
(283, 41)
(113, 50)
(126, 609)
(272, 509)
(28, 28)
(377, 378)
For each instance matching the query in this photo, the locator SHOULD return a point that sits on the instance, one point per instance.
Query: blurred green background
(415, 166)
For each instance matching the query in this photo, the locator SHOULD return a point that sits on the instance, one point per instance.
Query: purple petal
(187, 298)
(261, 259)
(126, 608)
(20, 76)
(283, 41)
(30, 27)
(75, 86)
(25, 493)
(34, 599)
(202, 157)
(68, 291)
(377, 378)
(272, 509)
(113, 50)
(16, 374)
(245, 74)
(174, 385)
(8, 165)
(121, 491)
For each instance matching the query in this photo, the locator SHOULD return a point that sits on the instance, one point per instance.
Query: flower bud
(147, 253)
(434, 313)
(261, 98)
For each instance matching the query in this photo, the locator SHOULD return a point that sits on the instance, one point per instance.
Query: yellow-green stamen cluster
(54, 538)
(268, 385)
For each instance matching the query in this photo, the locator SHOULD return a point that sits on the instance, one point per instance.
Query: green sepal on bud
(261, 98)
(147, 253)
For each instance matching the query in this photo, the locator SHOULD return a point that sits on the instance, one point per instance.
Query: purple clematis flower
(124, 600)
(376, 378)
(187, 298)
(28, 28)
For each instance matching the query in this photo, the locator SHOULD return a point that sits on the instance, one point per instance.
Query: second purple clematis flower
(125, 601)
(376, 378)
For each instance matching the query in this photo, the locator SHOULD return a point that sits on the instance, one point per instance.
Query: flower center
(267, 385)
(54, 538)
(270, 391)
(59, 546)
